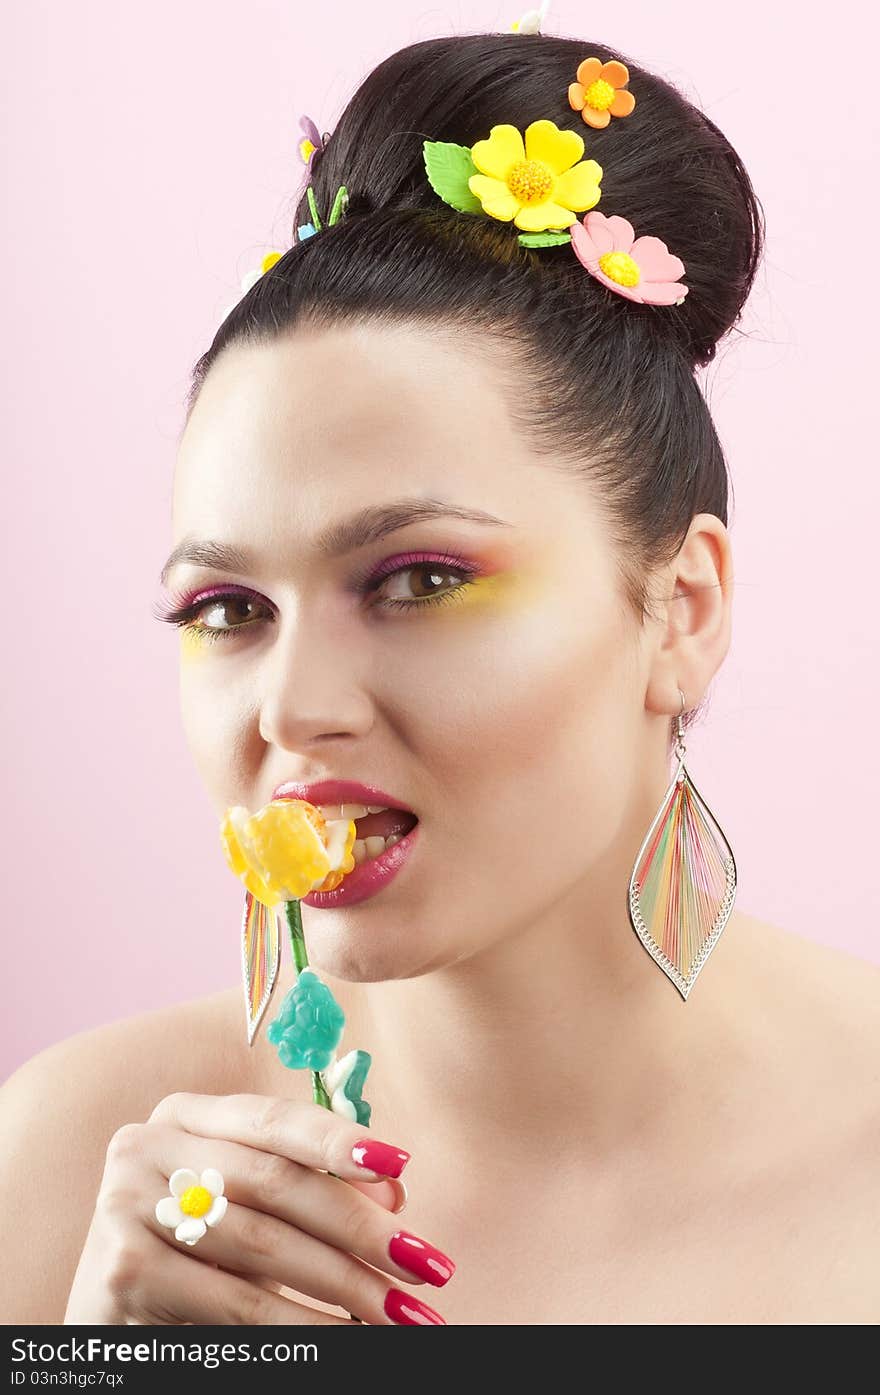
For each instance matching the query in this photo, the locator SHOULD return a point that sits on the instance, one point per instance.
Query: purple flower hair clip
(311, 141)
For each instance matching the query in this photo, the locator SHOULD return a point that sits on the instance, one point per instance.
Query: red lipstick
(338, 792)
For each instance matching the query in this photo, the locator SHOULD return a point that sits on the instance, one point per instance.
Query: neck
(565, 1018)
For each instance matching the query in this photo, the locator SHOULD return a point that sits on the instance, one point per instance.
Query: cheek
(524, 722)
(216, 728)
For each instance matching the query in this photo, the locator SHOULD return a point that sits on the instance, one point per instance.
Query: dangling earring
(260, 955)
(683, 883)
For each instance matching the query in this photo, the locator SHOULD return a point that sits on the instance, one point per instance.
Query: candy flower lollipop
(282, 853)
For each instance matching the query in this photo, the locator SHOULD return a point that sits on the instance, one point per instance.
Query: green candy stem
(301, 961)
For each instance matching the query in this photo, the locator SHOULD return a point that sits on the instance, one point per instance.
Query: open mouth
(376, 829)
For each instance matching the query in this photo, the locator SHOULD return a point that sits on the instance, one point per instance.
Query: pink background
(153, 162)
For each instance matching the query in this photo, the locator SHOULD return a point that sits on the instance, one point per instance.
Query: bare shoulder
(814, 1101)
(126, 1067)
(58, 1113)
(841, 984)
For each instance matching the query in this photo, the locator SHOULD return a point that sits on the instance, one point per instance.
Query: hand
(288, 1223)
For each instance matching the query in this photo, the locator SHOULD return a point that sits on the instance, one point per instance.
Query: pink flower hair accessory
(640, 268)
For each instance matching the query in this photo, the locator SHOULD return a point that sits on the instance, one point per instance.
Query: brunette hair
(609, 383)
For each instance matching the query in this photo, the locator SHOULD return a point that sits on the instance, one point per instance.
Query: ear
(694, 633)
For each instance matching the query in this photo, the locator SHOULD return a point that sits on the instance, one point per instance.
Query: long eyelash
(183, 612)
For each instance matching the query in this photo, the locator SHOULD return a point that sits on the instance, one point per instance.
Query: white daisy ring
(195, 1203)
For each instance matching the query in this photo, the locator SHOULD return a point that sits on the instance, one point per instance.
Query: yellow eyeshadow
(192, 646)
(500, 592)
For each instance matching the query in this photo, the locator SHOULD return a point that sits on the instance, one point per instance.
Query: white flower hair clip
(531, 21)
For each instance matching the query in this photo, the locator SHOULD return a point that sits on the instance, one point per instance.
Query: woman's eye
(237, 610)
(419, 584)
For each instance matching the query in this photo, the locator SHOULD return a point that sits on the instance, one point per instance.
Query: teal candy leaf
(309, 1026)
(355, 1084)
(449, 168)
(553, 237)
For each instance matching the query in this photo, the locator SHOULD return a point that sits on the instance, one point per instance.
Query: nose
(311, 684)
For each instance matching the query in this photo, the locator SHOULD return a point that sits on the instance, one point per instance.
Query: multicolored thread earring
(683, 883)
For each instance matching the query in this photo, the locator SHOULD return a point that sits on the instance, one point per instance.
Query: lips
(339, 792)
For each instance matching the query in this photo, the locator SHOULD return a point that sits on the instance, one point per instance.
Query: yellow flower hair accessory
(539, 183)
(598, 93)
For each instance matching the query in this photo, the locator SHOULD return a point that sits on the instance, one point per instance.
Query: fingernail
(420, 1258)
(403, 1308)
(403, 1195)
(380, 1157)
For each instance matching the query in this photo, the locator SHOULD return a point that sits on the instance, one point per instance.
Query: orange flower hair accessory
(640, 268)
(598, 93)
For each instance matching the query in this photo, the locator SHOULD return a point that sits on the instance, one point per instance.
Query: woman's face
(510, 717)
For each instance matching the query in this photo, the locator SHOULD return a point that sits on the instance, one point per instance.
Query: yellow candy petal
(236, 846)
(502, 149)
(558, 149)
(282, 853)
(287, 846)
(540, 216)
(579, 187)
(494, 195)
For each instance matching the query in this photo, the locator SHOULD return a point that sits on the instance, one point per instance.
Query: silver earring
(683, 882)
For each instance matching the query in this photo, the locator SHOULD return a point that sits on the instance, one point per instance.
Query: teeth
(345, 811)
(376, 808)
(364, 849)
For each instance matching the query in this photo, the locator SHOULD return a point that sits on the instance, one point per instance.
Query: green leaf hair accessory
(340, 206)
(449, 167)
(544, 239)
(313, 208)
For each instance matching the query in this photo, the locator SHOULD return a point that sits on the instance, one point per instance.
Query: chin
(372, 961)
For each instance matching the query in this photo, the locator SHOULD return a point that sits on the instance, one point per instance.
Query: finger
(174, 1289)
(391, 1193)
(302, 1131)
(326, 1208)
(252, 1243)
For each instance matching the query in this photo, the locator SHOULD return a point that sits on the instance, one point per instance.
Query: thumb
(390, 1192)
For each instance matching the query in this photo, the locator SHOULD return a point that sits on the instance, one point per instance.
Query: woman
(450, 528)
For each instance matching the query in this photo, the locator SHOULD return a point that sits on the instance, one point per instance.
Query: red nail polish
(380, 1157)
(420, 1258)
(403, 1308)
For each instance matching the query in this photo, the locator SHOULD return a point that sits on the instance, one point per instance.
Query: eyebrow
(368, 526)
